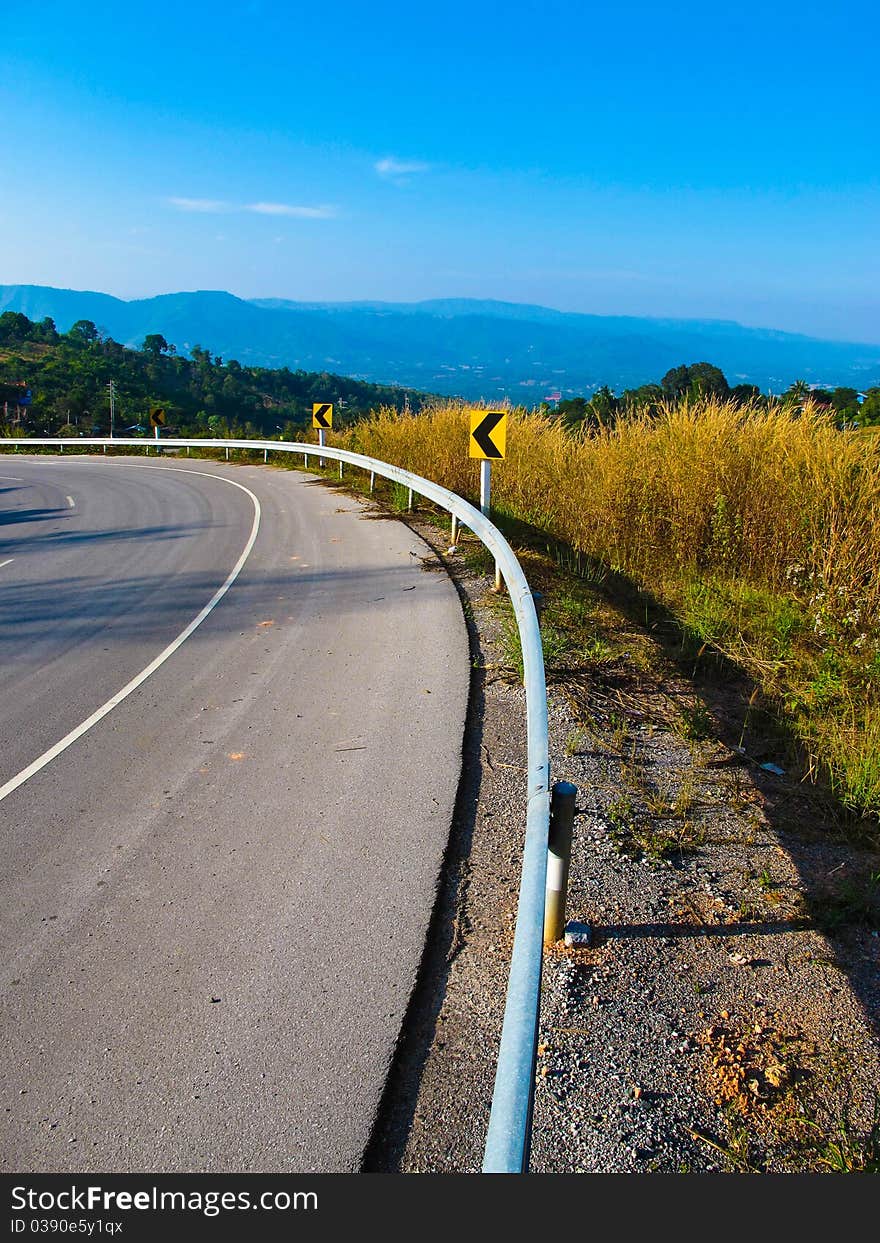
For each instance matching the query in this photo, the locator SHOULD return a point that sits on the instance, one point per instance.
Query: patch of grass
(737, 1150)
(848, 1152)
(569, 608)
(671, 802)
(694, 723)
(597, 652)
(718, 610)
(476, 557)
(555, 642)
(400, 498)
(575, 741)
(620, 810)
(619, 731)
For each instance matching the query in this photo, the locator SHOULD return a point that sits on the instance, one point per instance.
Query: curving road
(214, 898)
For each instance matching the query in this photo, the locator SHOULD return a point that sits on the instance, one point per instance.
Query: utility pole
(112, 409)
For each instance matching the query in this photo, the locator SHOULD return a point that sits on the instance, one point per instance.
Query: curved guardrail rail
(510, 1120)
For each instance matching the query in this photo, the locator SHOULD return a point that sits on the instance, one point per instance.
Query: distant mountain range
(458, 347)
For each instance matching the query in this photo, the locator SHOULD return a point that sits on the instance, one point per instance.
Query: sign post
(322, 418)
(488, 442)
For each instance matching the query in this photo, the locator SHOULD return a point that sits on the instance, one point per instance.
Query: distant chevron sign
(488, 434)
(322, 414)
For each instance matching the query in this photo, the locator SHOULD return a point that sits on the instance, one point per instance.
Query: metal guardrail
(510, 1121)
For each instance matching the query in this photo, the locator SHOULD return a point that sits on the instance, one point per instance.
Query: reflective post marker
(562, 807)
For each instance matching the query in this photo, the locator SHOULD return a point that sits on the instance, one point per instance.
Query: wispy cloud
(203, 205)
(324, 212)
(396, 170)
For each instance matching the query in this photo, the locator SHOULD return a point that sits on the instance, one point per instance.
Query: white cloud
(324, 212)
(390, 166)
(202, 205)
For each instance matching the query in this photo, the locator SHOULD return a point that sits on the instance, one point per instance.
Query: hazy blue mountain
(476, 349)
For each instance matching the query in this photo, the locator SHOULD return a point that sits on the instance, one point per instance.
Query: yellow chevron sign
(322, 414)
(488, 434)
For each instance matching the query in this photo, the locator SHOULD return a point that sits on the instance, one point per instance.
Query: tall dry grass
(761, 528)
(785, 500)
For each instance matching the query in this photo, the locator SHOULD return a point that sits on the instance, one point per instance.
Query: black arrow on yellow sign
(322, 414)
(488, 434)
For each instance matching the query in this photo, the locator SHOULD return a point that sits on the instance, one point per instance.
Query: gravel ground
(725, 1015)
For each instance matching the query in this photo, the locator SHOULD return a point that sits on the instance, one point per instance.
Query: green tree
(45, 331)
(846, 402)
(695, 380)
(676, 381)
(15, 328)
(83, 332)
(706, 380)
(745, 393)
(155, 344)
(869, 411)
(603, 407)
(644, 400)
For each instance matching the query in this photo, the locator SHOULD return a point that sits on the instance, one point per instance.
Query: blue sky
(672, 159)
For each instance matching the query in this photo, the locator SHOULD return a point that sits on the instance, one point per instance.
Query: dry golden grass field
(759, 531)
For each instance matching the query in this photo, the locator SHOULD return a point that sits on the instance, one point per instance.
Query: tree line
(54, 383)
(604, 408)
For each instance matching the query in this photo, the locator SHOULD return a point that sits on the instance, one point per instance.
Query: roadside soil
(726, 1014)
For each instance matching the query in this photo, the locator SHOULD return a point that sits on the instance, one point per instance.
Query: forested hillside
(53, 383)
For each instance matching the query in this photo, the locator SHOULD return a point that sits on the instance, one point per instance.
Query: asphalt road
(215, 898)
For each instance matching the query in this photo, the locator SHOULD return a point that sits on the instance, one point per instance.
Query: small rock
(577, 934)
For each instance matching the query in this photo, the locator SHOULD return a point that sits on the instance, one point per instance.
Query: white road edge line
(6, 562)
(48, 756)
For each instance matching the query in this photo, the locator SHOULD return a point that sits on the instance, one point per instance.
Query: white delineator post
(562, 808)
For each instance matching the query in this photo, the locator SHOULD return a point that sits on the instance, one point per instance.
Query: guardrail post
(409, 500)
(562, 799)
(372, 480)
(454, 530)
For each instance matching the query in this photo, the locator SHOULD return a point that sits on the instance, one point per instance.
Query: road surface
(215, 896)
